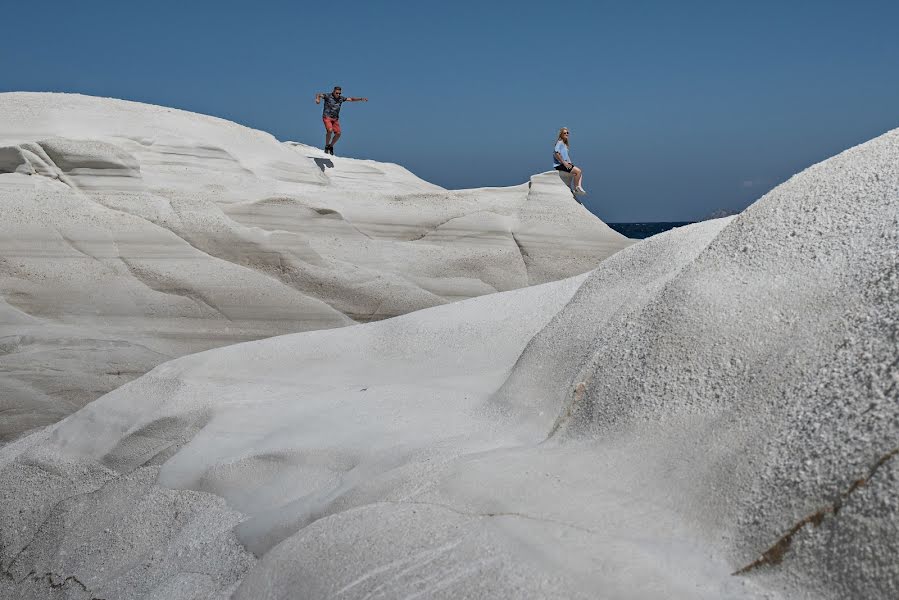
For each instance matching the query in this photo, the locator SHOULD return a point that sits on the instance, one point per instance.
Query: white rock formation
(711, 413)
(131, 234)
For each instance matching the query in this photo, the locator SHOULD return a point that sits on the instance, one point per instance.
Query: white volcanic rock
(718, 399)
(132, 234)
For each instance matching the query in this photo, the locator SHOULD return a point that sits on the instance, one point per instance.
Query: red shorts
(331, 124)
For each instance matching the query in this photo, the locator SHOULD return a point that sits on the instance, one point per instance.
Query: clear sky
(676, 109)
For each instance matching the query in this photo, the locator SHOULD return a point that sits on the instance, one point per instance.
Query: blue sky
(676, 109)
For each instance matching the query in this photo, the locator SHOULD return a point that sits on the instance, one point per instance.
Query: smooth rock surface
(131, 234)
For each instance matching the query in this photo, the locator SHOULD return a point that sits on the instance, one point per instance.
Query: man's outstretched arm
(318, 98)
(357, 99)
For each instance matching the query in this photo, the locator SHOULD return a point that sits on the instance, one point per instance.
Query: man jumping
(331, 115)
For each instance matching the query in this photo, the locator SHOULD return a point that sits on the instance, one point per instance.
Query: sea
(639, 231)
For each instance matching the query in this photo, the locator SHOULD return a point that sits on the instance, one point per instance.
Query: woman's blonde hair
(559, 137)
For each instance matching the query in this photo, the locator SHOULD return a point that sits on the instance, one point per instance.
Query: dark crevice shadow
(567, 179)
(324, 163)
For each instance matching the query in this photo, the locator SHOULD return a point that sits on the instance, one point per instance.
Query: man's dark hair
(337, 87)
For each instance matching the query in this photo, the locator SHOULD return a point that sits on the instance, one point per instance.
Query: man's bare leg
(328, 137)
(334, 139)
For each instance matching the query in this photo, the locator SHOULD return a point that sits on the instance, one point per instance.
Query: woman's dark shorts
(564, 168)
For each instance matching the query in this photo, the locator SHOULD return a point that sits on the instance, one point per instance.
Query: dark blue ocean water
(639, 231)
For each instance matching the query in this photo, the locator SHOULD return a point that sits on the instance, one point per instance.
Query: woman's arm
(558, 156)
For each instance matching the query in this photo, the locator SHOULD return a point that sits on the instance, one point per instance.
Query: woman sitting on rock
(563, 162)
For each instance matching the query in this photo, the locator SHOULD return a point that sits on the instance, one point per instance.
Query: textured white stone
(642, 431)
(131, 234)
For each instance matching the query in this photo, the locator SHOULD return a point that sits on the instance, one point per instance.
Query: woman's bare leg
(578, 177)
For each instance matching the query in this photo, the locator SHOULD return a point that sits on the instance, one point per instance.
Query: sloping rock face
(711, 413)
(133, 234)
(762, 378)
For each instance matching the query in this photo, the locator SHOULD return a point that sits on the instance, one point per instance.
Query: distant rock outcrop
(132, 234)
(720, 214)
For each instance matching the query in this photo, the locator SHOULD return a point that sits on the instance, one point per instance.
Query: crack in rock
(50, 513)
(521, 249)
(775, 554)
(580, 390)
(433, 228)
(48, 578)
(492, 514)
(524, 257)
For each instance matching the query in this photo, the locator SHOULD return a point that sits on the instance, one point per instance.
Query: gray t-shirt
(332, 105)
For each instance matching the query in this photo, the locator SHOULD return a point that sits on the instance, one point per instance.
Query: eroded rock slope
(132, 234)
(710, 413)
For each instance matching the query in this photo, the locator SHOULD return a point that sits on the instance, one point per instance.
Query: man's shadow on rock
(324, 163)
